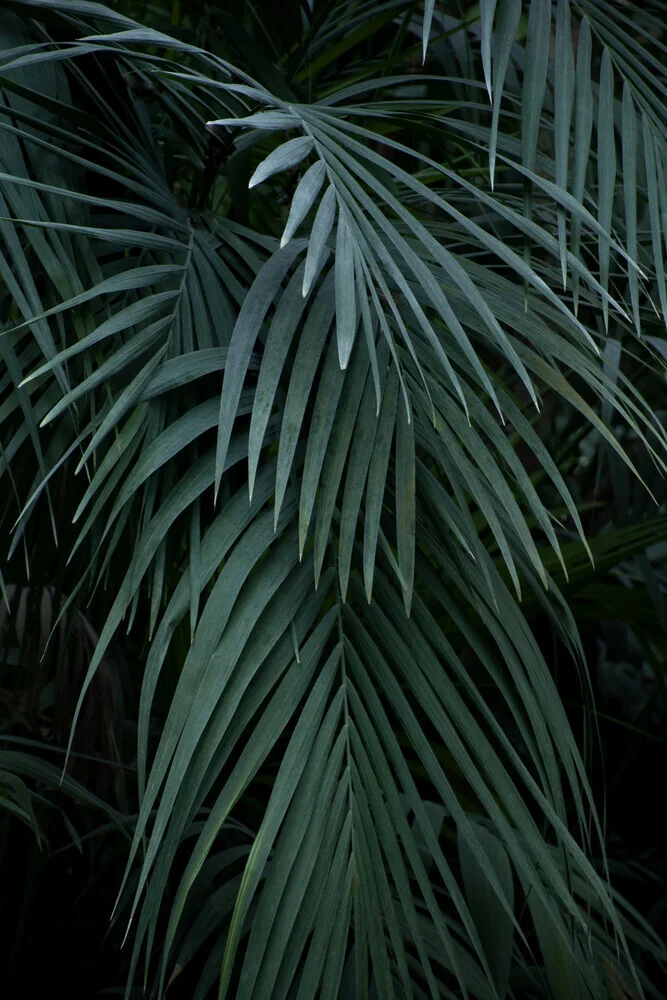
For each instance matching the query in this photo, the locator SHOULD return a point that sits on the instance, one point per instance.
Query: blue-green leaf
(322, 227)
(282, 158)
(307, 191)
(346, 296)
(606, 169)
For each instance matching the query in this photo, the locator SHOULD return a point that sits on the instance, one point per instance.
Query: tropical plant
(312, 315)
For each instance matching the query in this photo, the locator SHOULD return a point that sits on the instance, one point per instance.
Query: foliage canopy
(309, 313)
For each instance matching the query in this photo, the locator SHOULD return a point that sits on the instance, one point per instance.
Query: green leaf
(322, 226)
(534, 78)
(303, 199)
(123, 320)
(429, 7)
(564, 87)
(270, 121)
(177, 372)
(306, 362)
(115, 363)
(246, 330)
(606, 168)
(654, 211)
(340, 437)
(125, 400)
(288, 155)
(323, 415)
(629, 135)
(358, 465)
(583, 128)
(195, 565)
(311, 742)
(137, 277)
(405, 504)
(377, 476)
(346, 295)
(506, 28)
(281, 332)
(495, 931)
(487, 10)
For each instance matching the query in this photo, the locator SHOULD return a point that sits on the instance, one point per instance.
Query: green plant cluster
(333, 548)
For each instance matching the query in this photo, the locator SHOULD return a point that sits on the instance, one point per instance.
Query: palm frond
(294, 449)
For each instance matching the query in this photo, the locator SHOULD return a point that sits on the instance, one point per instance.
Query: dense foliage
(334, 550)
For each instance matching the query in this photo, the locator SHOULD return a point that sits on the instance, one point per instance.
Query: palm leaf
(338, 517)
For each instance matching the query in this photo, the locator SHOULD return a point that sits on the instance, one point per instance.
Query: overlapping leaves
(346, 398)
